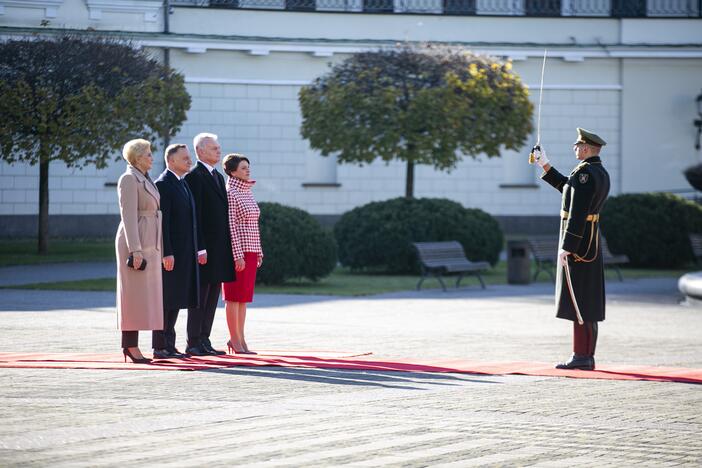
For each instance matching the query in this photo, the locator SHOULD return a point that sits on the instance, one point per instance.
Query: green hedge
(294, 244)
(651, 228)
(379, 235)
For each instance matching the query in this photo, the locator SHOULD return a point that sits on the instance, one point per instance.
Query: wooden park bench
(545, 251)
(439, 258)
(611, 260)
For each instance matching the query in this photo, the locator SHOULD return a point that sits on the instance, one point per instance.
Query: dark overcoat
(584, 194)
(213, 219)
(181, 285)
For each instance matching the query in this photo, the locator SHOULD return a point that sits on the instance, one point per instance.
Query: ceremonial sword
(532, 160)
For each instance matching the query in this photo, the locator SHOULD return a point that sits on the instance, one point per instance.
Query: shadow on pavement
(398, 380)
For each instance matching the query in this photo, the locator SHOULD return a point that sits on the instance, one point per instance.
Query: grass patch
(24, 251)
(343, 282)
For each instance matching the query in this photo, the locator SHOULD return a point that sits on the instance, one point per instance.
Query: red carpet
(347, 361)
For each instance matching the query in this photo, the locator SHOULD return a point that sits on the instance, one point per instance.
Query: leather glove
(539, 156)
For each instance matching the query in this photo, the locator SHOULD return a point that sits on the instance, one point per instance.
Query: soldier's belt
(590, 217)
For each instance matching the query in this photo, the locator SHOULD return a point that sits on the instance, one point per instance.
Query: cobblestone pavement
(315, 417)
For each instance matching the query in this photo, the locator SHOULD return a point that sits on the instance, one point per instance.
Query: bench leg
(443, 286)
(425, 275)
(461, 276)
(619, 273)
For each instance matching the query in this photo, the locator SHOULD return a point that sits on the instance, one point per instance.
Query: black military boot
(592, 344)
(578, 362)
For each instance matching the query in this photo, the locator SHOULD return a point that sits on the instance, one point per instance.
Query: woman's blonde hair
(135, 148)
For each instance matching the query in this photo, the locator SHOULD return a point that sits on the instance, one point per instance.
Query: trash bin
(518, 262)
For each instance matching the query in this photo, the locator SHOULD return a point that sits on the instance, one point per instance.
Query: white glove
(540, 157)
(562, 257)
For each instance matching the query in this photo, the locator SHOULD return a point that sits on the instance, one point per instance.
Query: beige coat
(139, 293)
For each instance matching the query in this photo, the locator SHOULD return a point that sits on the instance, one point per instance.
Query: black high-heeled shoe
(135, 360)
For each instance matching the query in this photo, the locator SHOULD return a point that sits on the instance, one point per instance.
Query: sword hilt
(532, 158)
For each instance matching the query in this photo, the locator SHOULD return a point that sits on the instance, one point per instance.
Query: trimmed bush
(294, 244)
(651, 228)
(379, 235)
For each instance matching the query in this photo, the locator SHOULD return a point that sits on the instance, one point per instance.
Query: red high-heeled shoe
(232, 349)
(247, 350)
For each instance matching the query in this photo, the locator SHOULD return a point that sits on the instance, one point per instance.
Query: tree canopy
(425, 105)
(78, 99)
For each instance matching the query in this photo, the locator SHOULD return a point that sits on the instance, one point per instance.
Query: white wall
(367, 27)
(109, 15)
(262, 121)
(658, 135)
(643, 107)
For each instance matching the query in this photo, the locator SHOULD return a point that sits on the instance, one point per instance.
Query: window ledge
(321, 185)
(519, 186)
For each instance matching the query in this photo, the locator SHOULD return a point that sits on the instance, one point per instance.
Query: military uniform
(584, 193)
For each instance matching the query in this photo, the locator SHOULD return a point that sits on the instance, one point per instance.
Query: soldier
(584, 193)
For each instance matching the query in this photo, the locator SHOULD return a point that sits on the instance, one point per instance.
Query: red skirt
(242, 289)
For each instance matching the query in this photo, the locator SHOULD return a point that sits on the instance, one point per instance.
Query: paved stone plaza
(276, 416)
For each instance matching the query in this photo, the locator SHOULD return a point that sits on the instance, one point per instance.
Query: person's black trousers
(200, 319)
(166, 338)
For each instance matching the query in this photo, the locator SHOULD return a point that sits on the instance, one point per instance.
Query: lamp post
(698, 121)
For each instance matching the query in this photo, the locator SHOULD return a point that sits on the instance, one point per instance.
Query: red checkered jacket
(243, 218)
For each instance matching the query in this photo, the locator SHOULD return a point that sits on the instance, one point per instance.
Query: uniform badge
(583, 178)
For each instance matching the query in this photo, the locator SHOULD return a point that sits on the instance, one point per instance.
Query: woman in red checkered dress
(246, 247)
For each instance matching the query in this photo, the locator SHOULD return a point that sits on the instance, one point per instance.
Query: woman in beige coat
(139, 292)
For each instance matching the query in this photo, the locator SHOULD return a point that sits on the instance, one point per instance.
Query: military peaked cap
(588, 137)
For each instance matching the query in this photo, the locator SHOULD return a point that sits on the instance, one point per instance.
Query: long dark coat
(213, 219)
(181, 285)
(584, 194)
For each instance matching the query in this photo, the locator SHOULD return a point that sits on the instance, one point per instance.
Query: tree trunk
(409, 183)
(167, 62)
(43, 234)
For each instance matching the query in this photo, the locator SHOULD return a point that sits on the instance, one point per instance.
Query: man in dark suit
(180, 245)
(215, 256)
(584, 193)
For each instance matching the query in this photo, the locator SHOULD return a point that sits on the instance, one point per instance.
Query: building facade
(630, 71)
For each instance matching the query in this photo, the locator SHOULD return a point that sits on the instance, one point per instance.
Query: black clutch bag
(130, 263)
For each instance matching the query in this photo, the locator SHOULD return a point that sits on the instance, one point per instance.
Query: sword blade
(541, 93)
